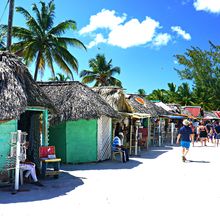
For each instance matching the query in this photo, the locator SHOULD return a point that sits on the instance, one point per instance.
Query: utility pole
(10, 21)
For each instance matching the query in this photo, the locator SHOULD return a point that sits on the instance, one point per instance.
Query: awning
(173, 116)
(135, 115)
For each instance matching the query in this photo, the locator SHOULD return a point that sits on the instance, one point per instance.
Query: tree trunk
(10, 21)
(37, 66)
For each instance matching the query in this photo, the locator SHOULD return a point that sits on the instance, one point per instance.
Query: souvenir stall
(82, 129)
(26, 101)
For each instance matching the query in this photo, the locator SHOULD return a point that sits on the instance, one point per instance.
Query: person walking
(185, 135)
(217, 131)
(203, 133)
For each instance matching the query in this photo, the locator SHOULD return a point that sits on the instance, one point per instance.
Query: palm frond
(68, 57)
(49, 60)
(62, 27)
(88, 79)
(62, 64)
(30, 21)
(86, 73)
(72, 42)
(22, 33)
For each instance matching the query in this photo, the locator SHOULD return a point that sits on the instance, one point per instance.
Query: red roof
(195, 111)
(217, 113)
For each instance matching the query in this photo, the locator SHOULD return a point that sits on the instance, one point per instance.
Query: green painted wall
(75, 141)
(5, 135)
(81, 144)
(57, 138)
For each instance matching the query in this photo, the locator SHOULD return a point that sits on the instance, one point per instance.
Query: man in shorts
(185, 135)
(217, 132)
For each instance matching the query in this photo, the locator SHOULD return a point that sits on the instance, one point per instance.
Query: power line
(4, 11)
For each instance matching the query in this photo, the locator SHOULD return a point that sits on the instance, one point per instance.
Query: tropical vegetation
(202, 68)
(101, 72)
(43, 42)
(59, 77)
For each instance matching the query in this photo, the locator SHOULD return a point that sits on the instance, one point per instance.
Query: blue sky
(140, 36)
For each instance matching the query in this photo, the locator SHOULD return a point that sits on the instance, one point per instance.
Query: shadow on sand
(154, 152)
(67, 182)
(61, 186)
(198, 161)
(52, 188)
(103, 165)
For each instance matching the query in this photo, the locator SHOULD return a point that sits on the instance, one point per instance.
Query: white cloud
(98, 39)
(127, 33)
(212, 6)
(103, 19)
(161, 39)
(181, 32)
(133, 33)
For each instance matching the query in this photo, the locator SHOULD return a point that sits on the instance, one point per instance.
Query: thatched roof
(75, 100)
(17, 88)
(115, 97)
(122, 102)
(146, 107)
(176, 108)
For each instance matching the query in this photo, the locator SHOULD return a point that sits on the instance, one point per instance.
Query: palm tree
(43, 43)
(158, 94)
(171, 93)
(102, 72)
(141, 92)
(184, 94)
(60, 77)
(10, 20)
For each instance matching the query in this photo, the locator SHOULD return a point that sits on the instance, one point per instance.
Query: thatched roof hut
(115, 97)
(122, 102)
(75, 100)
(17, 88)
(86, 129)
(141, 105)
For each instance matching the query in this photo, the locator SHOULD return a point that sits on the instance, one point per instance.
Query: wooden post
(136, 140)
(148, 132)
(172, 131)
(45, 128)
(159, 131)
(131, 129)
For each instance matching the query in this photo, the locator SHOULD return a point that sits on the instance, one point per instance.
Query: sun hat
(186, 122)
(121, 134)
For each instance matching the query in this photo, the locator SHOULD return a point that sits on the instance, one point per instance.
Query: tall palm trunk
(37, 65)
(10, 21)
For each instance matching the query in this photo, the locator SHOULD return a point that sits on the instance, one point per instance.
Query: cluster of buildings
(80, 121)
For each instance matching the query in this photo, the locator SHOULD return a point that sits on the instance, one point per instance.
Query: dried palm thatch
(17, 88)
(176, 108)
(75, 100)
(142, 105)
(115, 97)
